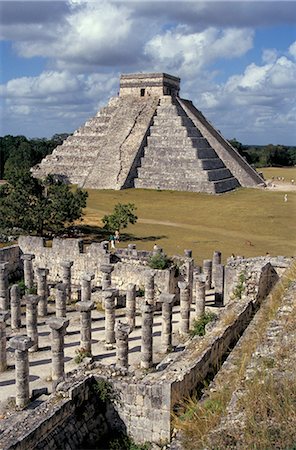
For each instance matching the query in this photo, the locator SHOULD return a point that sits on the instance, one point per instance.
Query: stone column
(200, 297)
(42, 290)
(188, 275)
(207, 270)
(66, 278)
(28, 270)
(184, 307)
(219, 284)
(4, 315)
(188, 253)
(147, 336)
(132, 249)
(21, 345)
(61, 300)
(167, 301)
(131, 305)
(86, 286)
(107, 269)
(85, 323)
(149, 287)
(109, 297)
(121, 333)
(31, 320)
(4, 302)
(215, 262)
(15, 306)
(58, 330)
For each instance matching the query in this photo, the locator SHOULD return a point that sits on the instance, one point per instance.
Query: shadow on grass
(91, 233)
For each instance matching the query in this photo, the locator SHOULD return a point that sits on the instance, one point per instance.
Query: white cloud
(190, 52)
(292, 49)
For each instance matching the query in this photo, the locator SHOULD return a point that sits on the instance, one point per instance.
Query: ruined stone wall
(129, 267)
(60, 423)
(249, 270)
(11, 255)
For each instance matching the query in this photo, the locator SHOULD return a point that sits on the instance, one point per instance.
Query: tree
(38, 207)
(122, 215)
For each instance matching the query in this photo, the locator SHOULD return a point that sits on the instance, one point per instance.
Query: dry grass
(262, 398)
(247, 222)
(288, 173)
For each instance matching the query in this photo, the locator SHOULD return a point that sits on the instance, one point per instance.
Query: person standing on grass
(112, 240)
(117, 236)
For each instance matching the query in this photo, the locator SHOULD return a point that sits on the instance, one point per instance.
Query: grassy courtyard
(245, 222)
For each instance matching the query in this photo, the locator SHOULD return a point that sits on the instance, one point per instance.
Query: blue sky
(61, 62)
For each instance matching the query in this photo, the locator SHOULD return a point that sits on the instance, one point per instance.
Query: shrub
(159, 261)
(199, 325)
(81, 353)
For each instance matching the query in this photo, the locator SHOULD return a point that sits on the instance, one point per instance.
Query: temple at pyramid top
(146, 84)
(149, 137)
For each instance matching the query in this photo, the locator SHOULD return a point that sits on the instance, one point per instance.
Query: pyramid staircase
(178, 157)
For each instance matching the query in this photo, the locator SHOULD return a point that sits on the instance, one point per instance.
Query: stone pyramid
(148, 137)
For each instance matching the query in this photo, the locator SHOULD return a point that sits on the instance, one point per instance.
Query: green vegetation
(159, 261)
(124, 442)
(199, 325)
(122, 215)
(18, 151)
(104, 390)
(266, 155)
(81, 353)
(240, 287)
(28, 205)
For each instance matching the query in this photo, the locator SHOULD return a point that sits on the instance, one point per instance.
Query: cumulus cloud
(190, 52)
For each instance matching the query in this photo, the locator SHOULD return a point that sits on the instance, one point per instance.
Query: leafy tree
(122, 215)
(38, 207)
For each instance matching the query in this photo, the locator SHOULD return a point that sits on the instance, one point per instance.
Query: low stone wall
(77, 421)
(12, 256)
(249, 269)
(129, 265)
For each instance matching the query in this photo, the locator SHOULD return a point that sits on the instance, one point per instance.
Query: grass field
(288, 173)
(245, 222)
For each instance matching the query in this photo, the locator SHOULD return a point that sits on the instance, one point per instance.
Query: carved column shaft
(216, 261)
(58, 329)
(66, 278)
(86, 287)
(21, 344)
(61, 300)
(131, 305)
(109, 296)
(31, 320)
(149, 287)
(121, 334)
(85, 324)
(4, 299)
(184, 307)
(207, 270)
(15, 305)
(4, 315)
(147, 336)
(200, 297)
(42, 291)
(28, 270)
(166, 332)
(106, 270)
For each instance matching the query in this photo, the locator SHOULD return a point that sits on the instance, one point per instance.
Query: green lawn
(245, 222)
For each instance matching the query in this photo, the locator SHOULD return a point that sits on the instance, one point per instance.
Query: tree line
(266, 155)
(18, 151)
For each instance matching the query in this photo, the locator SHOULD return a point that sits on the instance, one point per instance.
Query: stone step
(176, 185)
(226, 185)
(178, 174)
(167, 130)
(81, 140)
(219, 174)
(172, 121)
(186, 151)
(170, 111)
(212, 163)
(168, 141)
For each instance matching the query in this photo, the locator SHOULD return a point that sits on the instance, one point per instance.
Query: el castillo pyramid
(148, 137)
